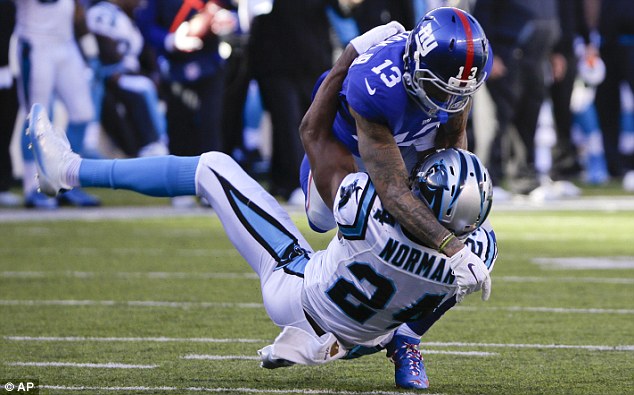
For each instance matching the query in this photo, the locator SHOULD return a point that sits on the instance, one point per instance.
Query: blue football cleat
(409, 370)
(40, 201)
(78, 198)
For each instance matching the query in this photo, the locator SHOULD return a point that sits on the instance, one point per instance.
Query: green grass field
(145, 300)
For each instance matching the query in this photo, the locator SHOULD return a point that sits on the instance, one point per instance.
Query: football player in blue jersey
(401, 99)
(375, 286)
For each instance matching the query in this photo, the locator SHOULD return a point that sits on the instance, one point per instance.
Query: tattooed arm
(385, 165)
(330, 161)
(453, 134)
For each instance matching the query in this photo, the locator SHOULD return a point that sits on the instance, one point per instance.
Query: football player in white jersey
(371, 279)
(119, 72)
(51, 67)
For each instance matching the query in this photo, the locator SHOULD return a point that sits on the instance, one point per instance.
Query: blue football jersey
(374, 89)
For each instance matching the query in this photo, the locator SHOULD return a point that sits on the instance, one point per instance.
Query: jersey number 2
(344, 292)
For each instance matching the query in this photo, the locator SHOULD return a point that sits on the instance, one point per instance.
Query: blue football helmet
(456, 186)
(447, 59)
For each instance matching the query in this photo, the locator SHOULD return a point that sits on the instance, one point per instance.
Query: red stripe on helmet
(470, 52)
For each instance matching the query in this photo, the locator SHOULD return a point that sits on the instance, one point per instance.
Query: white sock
(29, 180)
(71, 175)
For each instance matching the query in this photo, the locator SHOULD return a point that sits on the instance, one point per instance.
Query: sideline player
(119, 71)
(373, 276)
(51, 67)
(402, 99)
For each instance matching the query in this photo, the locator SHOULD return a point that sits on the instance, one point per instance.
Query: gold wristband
(445, 241)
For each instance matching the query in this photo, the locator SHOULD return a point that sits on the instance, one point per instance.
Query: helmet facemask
(439, 98)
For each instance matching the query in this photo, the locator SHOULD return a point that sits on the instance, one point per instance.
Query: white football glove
(6, 77)
(375, 36)
(471, 274)
(180, 41)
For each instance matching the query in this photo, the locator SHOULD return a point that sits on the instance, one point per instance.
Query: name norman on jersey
(413, 260)
(377, 276)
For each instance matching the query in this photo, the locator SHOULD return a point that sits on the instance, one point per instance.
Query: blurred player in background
(185, 35)
(52, 68)
(9, 107)
(140, 130)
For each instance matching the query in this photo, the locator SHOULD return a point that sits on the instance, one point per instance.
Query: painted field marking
(206, 357)
(148, 251)
(460, 353)
(225, 390)
(107, 365)
(240, 340)
(583, 280)
(190, 305)
(132, 303)
(253, 276)
(131, 339)
(128, 275)
(558, 310)
(586, 263)
(532, 346)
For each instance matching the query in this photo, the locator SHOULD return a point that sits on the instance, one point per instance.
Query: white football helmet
(456, 186)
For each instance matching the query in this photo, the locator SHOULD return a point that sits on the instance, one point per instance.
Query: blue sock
(75, 133)
(422, 325)
(159, 176)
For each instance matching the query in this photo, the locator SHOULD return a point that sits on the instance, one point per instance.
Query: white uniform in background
(50, 62)
(134, 92)
(108, 20)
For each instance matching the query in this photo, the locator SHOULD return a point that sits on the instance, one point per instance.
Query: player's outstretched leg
(52, 152)
(409, 370)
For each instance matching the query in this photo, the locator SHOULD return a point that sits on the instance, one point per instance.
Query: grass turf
(114, 262)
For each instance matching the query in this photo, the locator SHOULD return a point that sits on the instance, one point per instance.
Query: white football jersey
(107, 19)
(45, 20)
(377, 276)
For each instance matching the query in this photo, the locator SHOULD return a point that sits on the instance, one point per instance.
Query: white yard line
(131, 339)
(191, 305)
(532, 346)
(131, 303)
(551, 279)
(147, 251)
(253, 276)
(128, 275)
(225, 390)
(460, 353)
(241, 340)
(207, 357)
(586, 263)
(590, 203)
(107, 365)
(556, 310)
